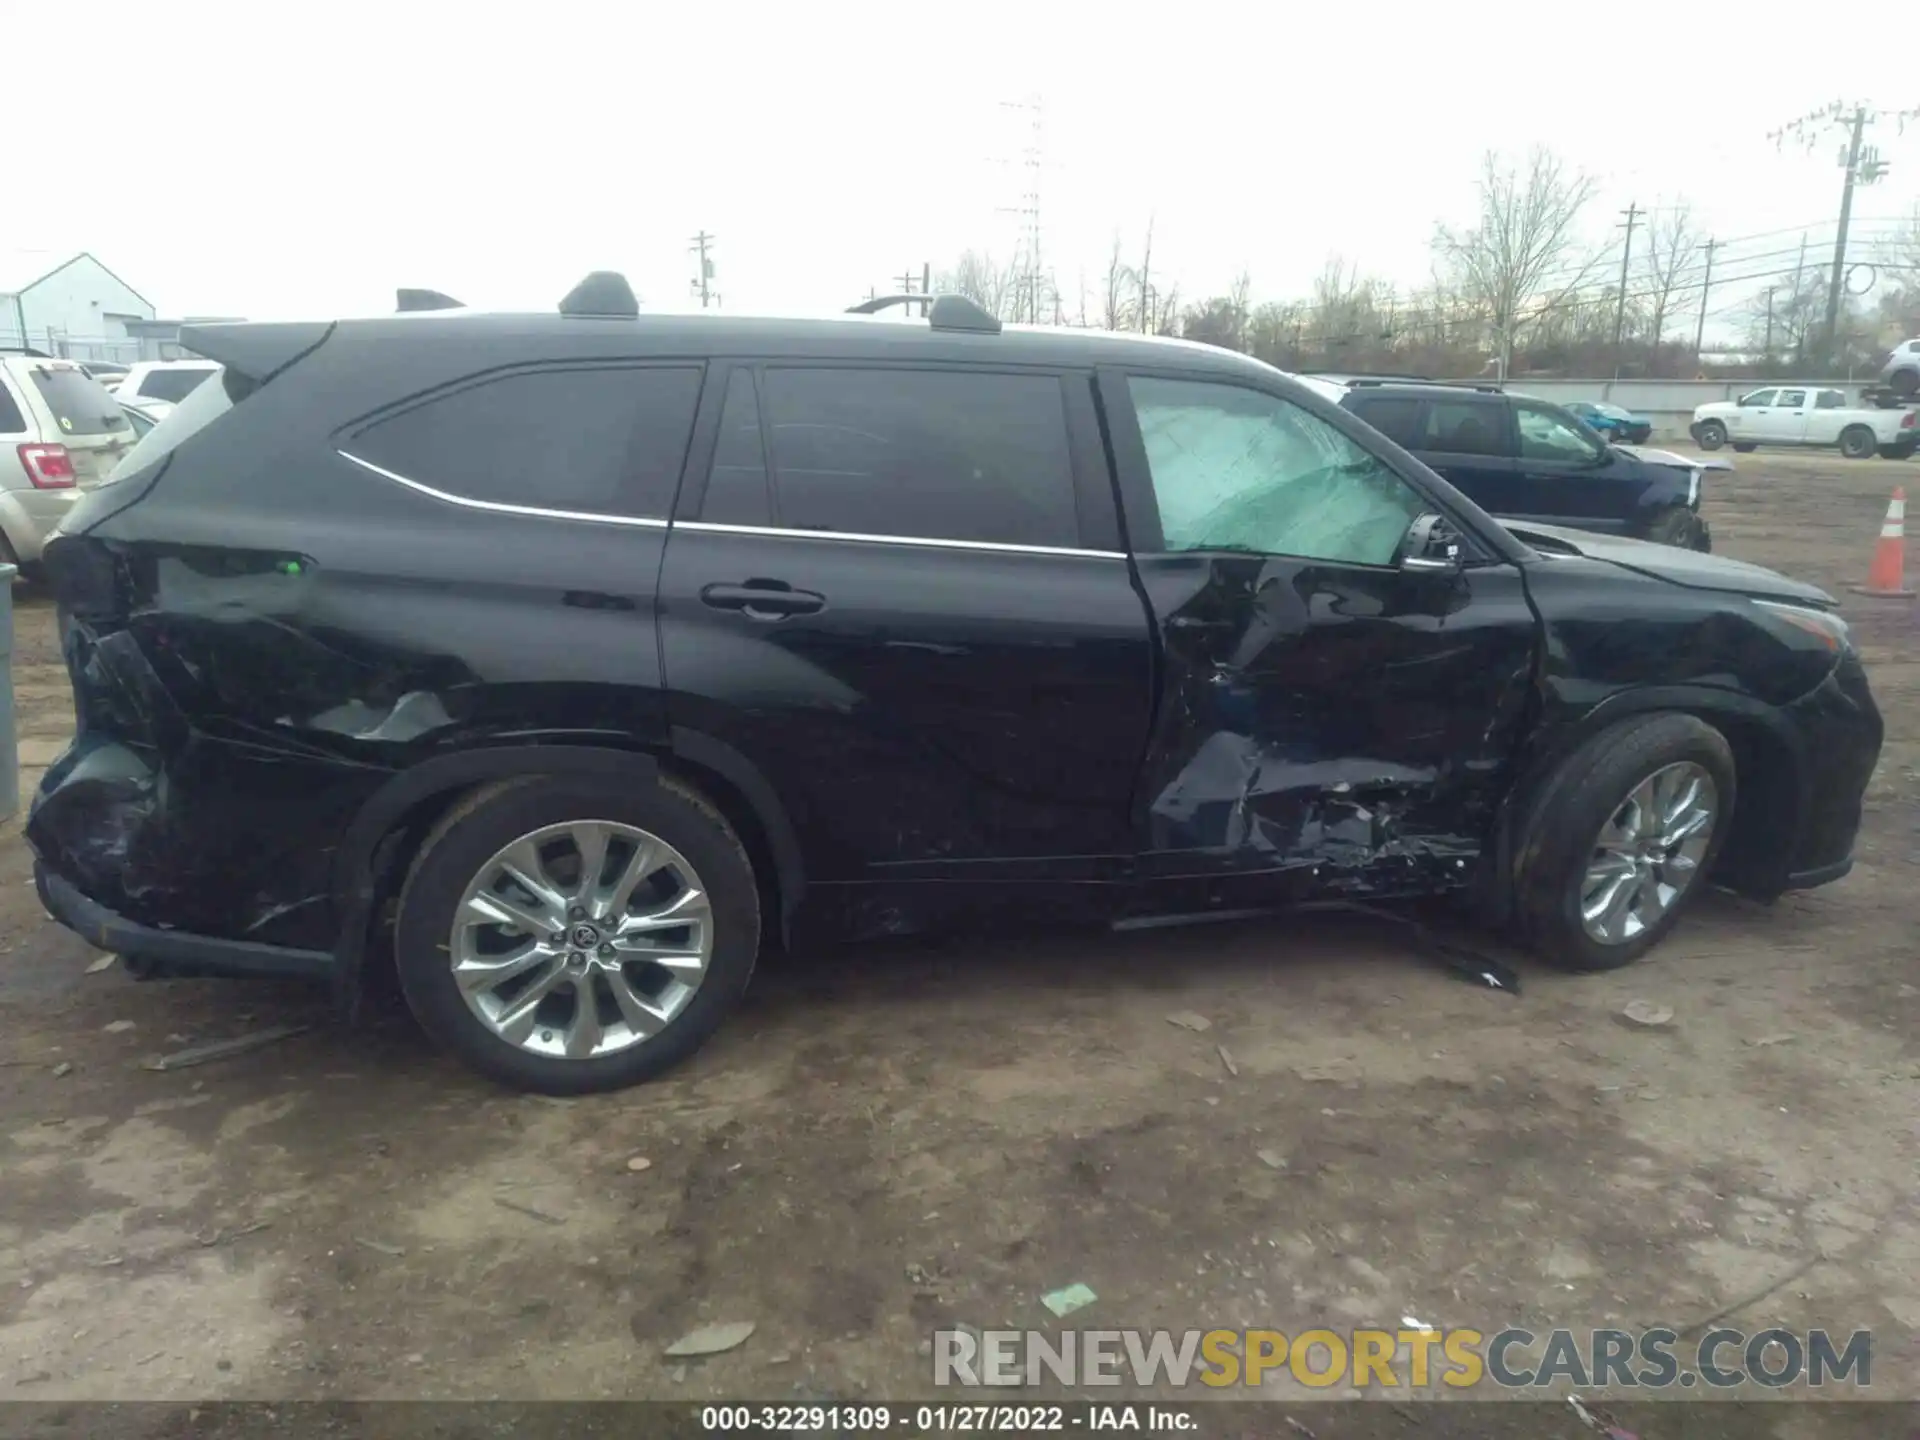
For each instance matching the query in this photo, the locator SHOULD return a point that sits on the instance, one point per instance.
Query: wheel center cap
(584, 937)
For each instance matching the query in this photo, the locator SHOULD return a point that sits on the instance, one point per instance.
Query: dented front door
(1324, 713)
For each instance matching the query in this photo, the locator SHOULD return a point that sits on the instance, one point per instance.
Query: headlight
(1823, 625)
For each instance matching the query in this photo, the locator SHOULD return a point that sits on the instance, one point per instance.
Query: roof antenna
(604, 292)
(427, 300)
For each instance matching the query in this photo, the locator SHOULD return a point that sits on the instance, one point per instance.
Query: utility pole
(1852, 165)
(1769, 344)
(1632, 212)
(1706, 286)
(704, 277)
(1862, 166)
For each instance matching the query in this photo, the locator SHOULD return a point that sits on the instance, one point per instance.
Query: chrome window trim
(995, 547)
(502, 507)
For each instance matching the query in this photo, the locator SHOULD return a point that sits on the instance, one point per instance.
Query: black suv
(570, 658)
(1530, 462)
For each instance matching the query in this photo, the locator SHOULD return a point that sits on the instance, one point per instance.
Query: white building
(79, 309)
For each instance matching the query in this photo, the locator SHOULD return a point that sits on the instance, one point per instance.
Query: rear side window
(172, 386)
(946, 455)
(80, 405)
(737, 488)
(12, 422)
(1462, 427)
(1829, 400)
(590, 441)
(1394, 416)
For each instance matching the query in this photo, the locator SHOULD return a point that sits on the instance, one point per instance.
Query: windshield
(200, 409)
(80, 406)
(1613, 412)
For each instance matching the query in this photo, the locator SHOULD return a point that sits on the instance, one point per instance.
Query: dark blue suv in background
(1526, 460)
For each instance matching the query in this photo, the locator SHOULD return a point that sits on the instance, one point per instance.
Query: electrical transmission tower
(1027, 260)
(1862, 166)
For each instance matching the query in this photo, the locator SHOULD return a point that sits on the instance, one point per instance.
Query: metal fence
(1669, 404)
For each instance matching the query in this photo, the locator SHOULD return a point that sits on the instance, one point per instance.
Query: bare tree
(1115, 307)
(996, 287)
(1671, 248)
(1524, 254)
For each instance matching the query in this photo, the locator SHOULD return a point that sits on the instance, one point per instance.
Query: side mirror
(1432, 547)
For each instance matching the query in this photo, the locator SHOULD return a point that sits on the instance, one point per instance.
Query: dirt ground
(897, 1137)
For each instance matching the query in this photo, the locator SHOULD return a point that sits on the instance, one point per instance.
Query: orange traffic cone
(1886, 577)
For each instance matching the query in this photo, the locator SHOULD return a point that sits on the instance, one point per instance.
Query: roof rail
(948, 312)
(426, 300)
(1423, 380)
(25, 350)
(604, 292)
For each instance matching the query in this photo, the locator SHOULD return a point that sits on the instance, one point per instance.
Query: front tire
(1621, 841)
(567, 938)
(1712, 435)
(1857, 442)
(1905, 383)
(1672, 526)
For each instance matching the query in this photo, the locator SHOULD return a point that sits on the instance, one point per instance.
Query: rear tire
(1905, 383)
(1574, 830)
(1857, 442)
(643, 1021)
(1712, 435)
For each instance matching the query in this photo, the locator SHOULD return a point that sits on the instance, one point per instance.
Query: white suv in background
(60, 433)
(168, 380)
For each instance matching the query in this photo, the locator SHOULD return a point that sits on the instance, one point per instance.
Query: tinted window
(1395, 416)
(583, 440)
(1547, 435)
(172, 385)
(79, 405)
(1462, 427)
(1237, 469)
(12, 422)
(187, 419)
(947, 455)
(1758, 398)
(1829, 400)
(737, 486)
(1791, 399)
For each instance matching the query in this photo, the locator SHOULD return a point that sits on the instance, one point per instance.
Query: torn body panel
(237, 705)
(1353, 723)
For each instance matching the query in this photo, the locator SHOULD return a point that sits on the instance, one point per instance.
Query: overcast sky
(500, 152)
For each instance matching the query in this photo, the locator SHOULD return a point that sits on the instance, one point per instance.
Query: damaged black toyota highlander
(567, 659)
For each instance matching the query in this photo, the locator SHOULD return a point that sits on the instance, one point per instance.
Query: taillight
(1906, 421)
(49, 467)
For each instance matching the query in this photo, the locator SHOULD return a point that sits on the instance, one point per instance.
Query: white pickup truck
(1805, 415)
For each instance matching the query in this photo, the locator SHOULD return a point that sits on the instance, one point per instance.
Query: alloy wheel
(1649, 852)
(582, 939)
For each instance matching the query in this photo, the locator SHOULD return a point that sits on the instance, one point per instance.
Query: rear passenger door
(1824, 417)
(900, 594)
(1468, 439)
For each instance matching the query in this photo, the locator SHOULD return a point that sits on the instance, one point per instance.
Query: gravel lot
(895, 1137)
